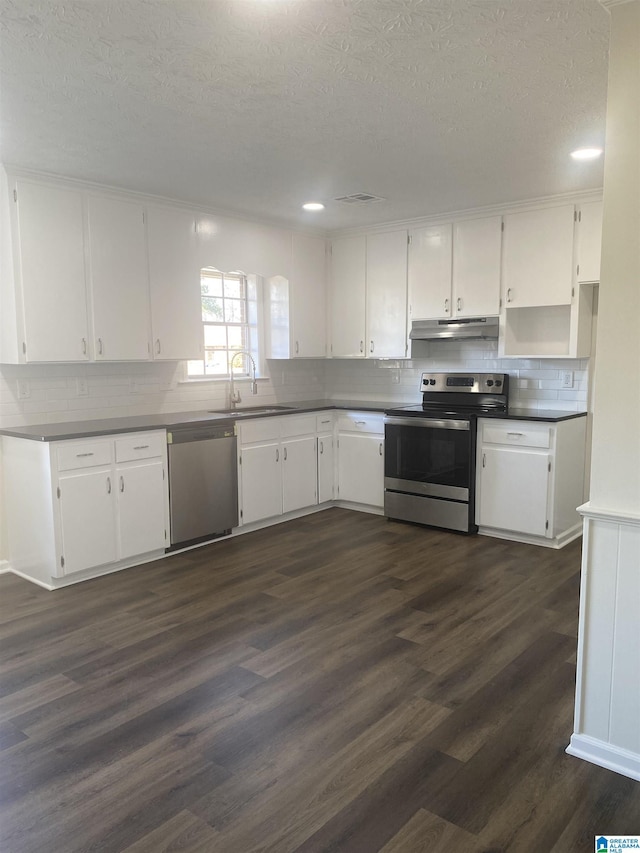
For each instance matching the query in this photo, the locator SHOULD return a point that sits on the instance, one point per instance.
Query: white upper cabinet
(348, 296)
(386, 295)
(538, 257)
(174, 280)
(477, 245)
(50, 274)
(430, 273)
(119, 278)
(589, 242)
(308, 296)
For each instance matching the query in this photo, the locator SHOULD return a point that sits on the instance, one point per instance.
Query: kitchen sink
(251, 410)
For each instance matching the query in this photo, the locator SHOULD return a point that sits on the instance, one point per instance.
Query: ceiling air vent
(359, 198)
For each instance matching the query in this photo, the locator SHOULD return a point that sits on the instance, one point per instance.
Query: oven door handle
(428, 423)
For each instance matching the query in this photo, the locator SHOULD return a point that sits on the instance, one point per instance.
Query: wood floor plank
(336, 683)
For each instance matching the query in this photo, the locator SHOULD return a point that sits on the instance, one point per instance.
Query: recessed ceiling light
(313, 205)
(586, 153)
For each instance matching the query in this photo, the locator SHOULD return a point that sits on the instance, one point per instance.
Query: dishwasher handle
(200, 433)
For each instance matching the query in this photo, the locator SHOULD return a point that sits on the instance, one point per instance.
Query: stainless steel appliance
(430, 449)
(203, 482)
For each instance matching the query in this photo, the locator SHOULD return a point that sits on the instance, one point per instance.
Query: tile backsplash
(55, 393)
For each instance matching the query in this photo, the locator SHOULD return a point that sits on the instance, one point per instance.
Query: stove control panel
(470, 383)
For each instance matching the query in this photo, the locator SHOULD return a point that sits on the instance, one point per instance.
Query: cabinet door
(299, 474)
(51, 253)
(174, 279)
(430, 273)
(348, 266)
(477, 246)
(308, 296)
(326, 468)
(87, 520)
(514, 490)
(589, 241)
(141, 508)
(538, 257)
(361, 469)
(119, 280)
(387, 295)
(261, 475)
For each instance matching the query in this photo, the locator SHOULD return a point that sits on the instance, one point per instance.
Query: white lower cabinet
(361, 458)
(260, 482)
(530, 479)
(326, 457)
(299, 473)
(96, 503)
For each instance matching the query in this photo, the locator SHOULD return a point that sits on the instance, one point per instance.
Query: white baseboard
(558, 542)
(4, 567)
(605, 755)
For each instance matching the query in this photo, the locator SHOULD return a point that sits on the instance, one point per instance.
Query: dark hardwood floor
(336, 683)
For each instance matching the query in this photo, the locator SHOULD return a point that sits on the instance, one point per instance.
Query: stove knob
(432, 382)
(490, 382)
(498, 383)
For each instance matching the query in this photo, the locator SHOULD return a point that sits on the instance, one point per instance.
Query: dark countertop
(173, 420)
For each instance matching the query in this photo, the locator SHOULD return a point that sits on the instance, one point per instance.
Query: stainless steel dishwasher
(203, 482)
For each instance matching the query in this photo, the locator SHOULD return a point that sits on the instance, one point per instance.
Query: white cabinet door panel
(348, 300)
(261, 475)
(87, 520)
(514, 490)
(589, 241)
(141, 508)
(387, 295)
(308, 296)
(174, 278)
(326, 468)
(119, 280)
(361, 469)
(52, 268)
(477, 246)
(430, 273)
(299, 474)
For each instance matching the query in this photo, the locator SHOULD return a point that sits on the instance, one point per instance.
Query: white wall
(607, 718)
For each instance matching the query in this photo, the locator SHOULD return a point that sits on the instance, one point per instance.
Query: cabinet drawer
(262, 429)
(85, 454)
(324, 422)
(517, 432)
(361, 422)
(140, 446)
(293, 425)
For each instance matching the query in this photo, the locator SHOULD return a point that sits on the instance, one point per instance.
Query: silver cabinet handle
(361, 346)
(122, 484)
(446, 306)
(99, 346)
(328, 421)
(459, 304)
(141, 447)
(484, 460)
(285, 454)
(297, 347)
(277, 455)
(108, 485)
(515, 433)
(380, 448)
(508, 294)
(371, 347)
(360, 423)
(80, 455)
(84, 346)
(158, 346)
(321, 448)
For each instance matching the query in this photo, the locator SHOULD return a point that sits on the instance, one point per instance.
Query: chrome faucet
(234, 394)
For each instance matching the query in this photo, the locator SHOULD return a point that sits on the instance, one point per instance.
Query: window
(230, 320)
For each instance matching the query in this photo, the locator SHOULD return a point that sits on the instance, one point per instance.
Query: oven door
(430, 457)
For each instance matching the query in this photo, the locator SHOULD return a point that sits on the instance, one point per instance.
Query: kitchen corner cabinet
(538, 257)
(174, 284)
(348, 297)
(530, 479)
(589, 242)
(361, 458)
(119, 280)
(386, 295)
(98, 504)
(49, 301)
(278, 466)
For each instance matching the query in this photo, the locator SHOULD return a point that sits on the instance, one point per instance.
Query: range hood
(474, 328)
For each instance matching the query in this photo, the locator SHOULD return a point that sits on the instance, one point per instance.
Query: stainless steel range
(430, 449)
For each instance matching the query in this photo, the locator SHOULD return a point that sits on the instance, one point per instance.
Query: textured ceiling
(255, 106)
